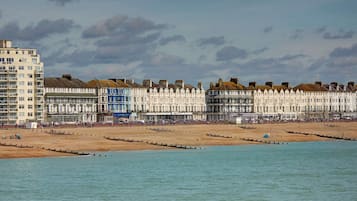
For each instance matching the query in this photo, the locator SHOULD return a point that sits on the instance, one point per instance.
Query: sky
(202, 40)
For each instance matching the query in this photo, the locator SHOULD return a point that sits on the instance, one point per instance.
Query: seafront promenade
(62, 141)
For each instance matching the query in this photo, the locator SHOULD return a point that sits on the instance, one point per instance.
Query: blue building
(113, 100)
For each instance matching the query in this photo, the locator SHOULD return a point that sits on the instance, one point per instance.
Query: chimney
(180, 83)
(252, 84)
(341, 87)
(199, 85)
(220, 82)
(234, 80)
(129, 81)
(5, 43)
(318, 83)
(67, 76)
(270, 84)
(147, 83)
(285, 84)
(163, 83)
(334, 84)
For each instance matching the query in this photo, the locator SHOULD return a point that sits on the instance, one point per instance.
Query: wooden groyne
(217, 135)
(45, 148)
(322, 135)
(247, 127)
(160, 130)
(178, 146)
(55, 132)
(262, 141)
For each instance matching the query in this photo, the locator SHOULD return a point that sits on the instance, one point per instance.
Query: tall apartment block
(21, 85)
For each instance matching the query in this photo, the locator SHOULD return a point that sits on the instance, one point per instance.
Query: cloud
(165, 59)
(230, 52)
(341, 35)
(344, 52)
(268, 29)
(298, 34)
(214, 41)
(121, 24)
(175, 38)
(259, 51)
(321, 29)
(0, 14)
(126, 39)
(62, 2)
(291, 57)
(42, 29)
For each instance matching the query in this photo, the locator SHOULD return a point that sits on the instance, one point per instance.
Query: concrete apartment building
(174, 102)
(21, 85)
(69, 101)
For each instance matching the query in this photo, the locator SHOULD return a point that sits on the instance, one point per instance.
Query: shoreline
(58, 142)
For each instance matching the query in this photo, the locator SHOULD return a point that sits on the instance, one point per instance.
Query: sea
(294, 171)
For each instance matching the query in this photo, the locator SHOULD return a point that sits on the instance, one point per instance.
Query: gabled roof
(227, 86)
(64, 82)
(107, 83)
(310, 87)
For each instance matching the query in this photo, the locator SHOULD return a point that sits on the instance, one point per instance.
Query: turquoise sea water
(296, 171)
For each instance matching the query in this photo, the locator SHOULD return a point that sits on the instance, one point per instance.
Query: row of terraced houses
(27, 96)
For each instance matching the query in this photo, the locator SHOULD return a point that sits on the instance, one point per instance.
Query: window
(29, 107)
(38, 68)
(21, 68)
(21, 91)
(29, 99)
(29, 75)
(21, 106)
(29, 67)
(29, 83)
(21, 83)
(29, 114)
(29, 91)
(34, 60)
(21, 75)
(21, 98)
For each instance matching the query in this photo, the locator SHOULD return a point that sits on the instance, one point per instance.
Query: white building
(278, 102)
(173, 102)
(227, 101)
(21, 85)
(114, 101)
(69, 101)
(139, 98)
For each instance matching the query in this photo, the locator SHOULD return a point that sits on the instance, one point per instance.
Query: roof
(106, 83)
(310, 87)
(64, 82)
(227, 86)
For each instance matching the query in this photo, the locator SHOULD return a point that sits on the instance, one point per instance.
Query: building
(21, 85)
(174, 102)
(114, 101)
(277, 102)
(227, 101)
(139, 97)
(69, 101)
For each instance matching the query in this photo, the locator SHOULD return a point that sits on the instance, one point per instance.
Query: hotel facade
(26, 96)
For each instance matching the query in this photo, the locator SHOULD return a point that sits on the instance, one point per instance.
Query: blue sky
(201, 40)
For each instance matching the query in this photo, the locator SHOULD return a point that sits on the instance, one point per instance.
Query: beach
(71, 141)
